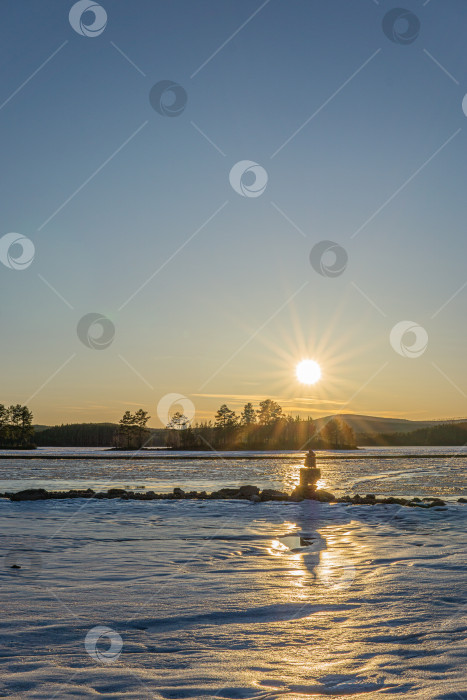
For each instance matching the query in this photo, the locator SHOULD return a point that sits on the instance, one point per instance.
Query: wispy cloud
(254, 398)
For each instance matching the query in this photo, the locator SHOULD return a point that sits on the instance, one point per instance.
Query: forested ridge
(264, 428)
(444, 435)
(77, 435)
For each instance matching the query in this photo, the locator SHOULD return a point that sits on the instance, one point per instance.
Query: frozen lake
(230, 599)
(383, 471)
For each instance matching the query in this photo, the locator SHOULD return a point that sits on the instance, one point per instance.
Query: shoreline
(228, 456)
(245, 492)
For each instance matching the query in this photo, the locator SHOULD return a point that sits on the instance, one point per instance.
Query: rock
(368, 500)
(273, 495)
(15, 566)
(357, 500)
(344, 499)
(311, 493)
(426, 503)
(298, 493)
(116, 493)
(225, 493)
(147, 496)
(322, 496)
(397, 501)
(462, 500)
(88, 493)
(247, 491)
(29, 495)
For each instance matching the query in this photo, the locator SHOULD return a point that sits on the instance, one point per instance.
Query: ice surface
(377, 470)
(213, 600)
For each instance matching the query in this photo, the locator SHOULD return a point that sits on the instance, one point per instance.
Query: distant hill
(376, 425)
(449, 434)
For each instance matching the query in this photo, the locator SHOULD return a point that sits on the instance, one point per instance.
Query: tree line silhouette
(132, 432)
(446, 434)
(16, 429)
(129, 434)
(77, 435)
(266, 427)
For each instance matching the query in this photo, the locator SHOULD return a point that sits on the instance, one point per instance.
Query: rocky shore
(247, 492)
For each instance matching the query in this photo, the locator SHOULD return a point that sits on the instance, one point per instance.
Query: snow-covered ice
(384, 471)
(228, 599)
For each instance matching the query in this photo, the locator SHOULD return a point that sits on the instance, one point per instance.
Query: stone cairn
(309, 476)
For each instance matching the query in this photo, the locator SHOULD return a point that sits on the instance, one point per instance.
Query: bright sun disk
(308, 372)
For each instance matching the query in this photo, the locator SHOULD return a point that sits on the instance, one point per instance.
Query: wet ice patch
(296, 543)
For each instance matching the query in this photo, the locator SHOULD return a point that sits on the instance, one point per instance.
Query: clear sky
(364, 141)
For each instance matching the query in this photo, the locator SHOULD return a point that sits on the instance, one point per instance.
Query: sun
(308, 372)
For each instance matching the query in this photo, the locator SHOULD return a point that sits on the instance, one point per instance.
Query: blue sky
(243, 285)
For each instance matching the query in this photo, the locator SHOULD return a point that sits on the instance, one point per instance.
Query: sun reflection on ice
(320, 555)
(277, 548)
(335, 571)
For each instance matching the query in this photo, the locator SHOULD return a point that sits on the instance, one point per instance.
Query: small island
(264, 428)
(16, 429)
